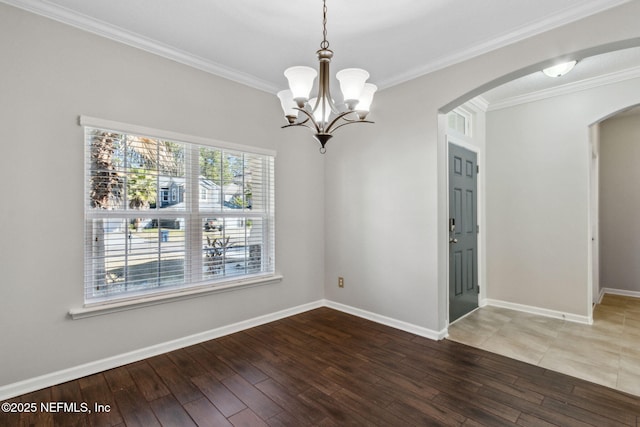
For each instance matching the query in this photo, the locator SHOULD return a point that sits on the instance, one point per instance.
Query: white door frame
(594, 217)
(474, 143)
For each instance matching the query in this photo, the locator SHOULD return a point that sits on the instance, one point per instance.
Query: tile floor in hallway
(607, 352)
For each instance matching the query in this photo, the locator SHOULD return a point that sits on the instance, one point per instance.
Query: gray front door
(463, 232)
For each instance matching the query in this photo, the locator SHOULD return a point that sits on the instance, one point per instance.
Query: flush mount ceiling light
(322, 114)
(560, 69)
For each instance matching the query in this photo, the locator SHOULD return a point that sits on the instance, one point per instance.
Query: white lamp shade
(320, 115)
(560, 69)
(287, 103)
(352, 82)
(300, 81)
(366, 98)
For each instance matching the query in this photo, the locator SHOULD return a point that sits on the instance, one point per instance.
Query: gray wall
(49, 75)
(379, 187)
(620, 203)
(386, 191)
(538, 159)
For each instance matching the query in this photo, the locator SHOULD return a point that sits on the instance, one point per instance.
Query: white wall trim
(622, 292)
(26, 386)
(121, 35)
(16, 389)
(11, 390)
(478, 104)
(568, 16)
(601, 295)
(587, 320)
(388, 321)
(112, 32)
(91, 310)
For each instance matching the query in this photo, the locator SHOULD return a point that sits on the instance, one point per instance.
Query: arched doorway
(579, 232)
(615, 146)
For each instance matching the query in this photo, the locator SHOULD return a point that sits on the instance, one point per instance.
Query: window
(165, 212)
(459, 120)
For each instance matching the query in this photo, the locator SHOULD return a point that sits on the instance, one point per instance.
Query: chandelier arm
(324, 85)
(350, 122)
(343, 117)
(315, 105)
(300, 125)
(304, 122)
(310, 117)
(346, 119)
(324, 88)
(335, 120)
(356, 120)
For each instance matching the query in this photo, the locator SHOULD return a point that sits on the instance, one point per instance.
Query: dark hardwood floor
(327, 368)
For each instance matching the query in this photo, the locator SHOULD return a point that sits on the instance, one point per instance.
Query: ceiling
(252, 41)
(591, 71)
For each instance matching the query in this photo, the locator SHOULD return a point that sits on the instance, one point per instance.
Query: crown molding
(594, 82)
(86, 23)
(118, 34)
(569, 15)
(479, 103)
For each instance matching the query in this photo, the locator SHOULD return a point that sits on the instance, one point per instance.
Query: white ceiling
(253, 41)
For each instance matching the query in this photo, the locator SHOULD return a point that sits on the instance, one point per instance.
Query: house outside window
(141, 241)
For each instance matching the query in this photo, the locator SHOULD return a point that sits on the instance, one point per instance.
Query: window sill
(91, 310)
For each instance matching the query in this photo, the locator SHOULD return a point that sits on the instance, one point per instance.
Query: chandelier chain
(325, 42)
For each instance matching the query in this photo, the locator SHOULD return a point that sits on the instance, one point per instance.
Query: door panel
(463, 232)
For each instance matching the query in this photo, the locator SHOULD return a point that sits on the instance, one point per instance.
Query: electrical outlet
(341, 282)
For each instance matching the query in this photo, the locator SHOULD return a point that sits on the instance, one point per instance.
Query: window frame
(195, 235)
(467, 116)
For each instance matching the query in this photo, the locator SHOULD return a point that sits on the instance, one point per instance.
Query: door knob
(454, 240)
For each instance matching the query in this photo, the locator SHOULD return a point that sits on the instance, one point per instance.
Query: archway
(614, 138)
(582, 314)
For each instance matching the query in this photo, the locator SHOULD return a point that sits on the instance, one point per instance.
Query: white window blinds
(166, 211)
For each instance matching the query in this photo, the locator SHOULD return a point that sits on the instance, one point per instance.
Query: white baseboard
(58, 377)
(540, 311)
(388, 321)
(48, 380)
(622, 292)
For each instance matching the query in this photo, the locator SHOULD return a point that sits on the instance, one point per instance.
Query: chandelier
(322, 115)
